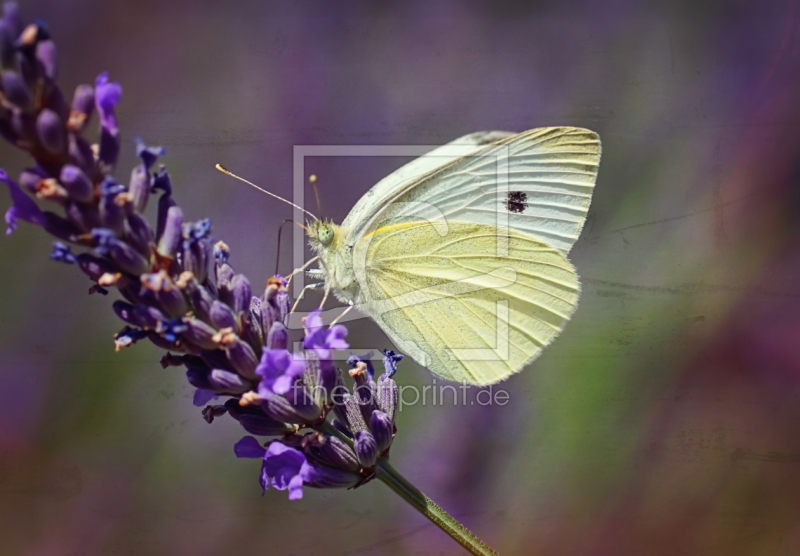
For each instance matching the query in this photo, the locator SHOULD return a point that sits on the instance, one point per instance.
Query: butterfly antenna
(312, 179)
(231, 174)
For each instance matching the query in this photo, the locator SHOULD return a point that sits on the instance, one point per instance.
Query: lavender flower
(178, 288)
(180, 292)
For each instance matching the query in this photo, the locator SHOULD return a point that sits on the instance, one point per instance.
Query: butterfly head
(322, 234)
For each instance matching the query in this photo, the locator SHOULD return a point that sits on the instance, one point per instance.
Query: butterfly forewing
(539, 182)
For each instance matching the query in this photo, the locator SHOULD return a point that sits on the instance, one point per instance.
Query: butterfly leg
(302, 293)
(337, 319)
(325, 296)
(296, 270)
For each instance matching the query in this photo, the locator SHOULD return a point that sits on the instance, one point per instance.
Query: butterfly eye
(325, 236)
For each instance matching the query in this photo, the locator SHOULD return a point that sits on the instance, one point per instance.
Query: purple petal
(314, 334)
(202, 397)
(335, 337)
(296, 488)
(248, 447)
(283, 464)
(284, 383)
(107, 96)
(24, 208)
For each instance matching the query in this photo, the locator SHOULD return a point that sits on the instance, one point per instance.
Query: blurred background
(664, 421)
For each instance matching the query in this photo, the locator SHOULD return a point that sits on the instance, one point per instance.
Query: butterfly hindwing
(474, 303)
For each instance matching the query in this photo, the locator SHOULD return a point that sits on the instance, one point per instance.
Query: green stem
(424, 505)
(430, 509)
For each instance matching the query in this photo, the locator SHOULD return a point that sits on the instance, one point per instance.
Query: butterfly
(460, 256)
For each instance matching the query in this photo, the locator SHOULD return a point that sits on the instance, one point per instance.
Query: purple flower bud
(16, 91)
(198, 377)
(329, 450)
(29, 179)
(82, 108)
(223, 381)
(216, 359)
(76, 183)
(295, 407)
(138, 315)
(198, 295)
(252, 323)
(125, 256)
(326, 477)
(221, 315)
(366, 449)
(12, 19)
(23, 208)
(241, 293)
(350, 413)
(139, 187)
(124, 310)
(55, 101)
(62, 253)
(221, 252)
(263, 425)
(50, 130)
(241, 355)
(171, 238)
(48, 57)
(109, 149)
(196, 248)
(162, 182)
(364, 390)
(80, 153)
(95, 267)
(171, 330)
(199, 333)
(160, 342)
(149, 155)
(278, 337)
(83, 216)
(30, 36)
(111, 211)
(225, 274)
(128, 336)
(138, 233)
(387, 396)
(59, 227)
(390, 362)
(382, 429)
(107, 96)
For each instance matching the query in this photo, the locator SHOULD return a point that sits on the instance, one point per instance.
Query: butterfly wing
(476, 303)
(399, 180)
(539, 182)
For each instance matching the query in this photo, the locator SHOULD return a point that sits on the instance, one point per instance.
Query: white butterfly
(460, 256)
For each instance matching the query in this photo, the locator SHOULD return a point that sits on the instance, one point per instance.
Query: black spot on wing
(517, 201)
